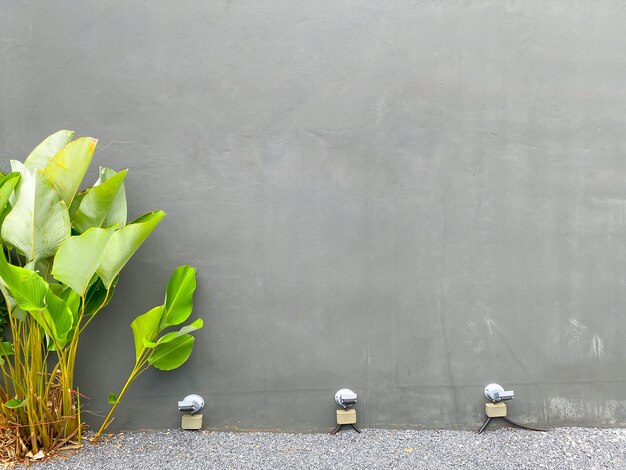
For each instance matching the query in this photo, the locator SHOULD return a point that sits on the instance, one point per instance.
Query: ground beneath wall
(562, 448)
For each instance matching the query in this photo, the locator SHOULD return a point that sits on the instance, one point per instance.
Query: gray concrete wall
(409, 198)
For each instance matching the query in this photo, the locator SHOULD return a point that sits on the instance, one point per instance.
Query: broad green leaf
(73, 301)
(98, 297)
(112, 398)
(16, 403)
(196, 325)
(76, 203)
(171, 355)
(78, 257)
(7, 185)
(146, 326)
(32, 294)
(124, 243)
(38, 222)
(67, 168)
(62, 317)
(57, 289)
(118, 211)
(55, 320)
(6, 349)
(39, 157)
(10, 301)
(179, 296)
(27, 287)
(96, 203)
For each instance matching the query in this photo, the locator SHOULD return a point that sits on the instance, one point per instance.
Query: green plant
(62, 253)
(172, 349)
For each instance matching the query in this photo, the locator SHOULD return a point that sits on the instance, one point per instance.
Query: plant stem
(80, 435)
(133, 375)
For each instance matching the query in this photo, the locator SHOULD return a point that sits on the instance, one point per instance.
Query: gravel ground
(571, 448)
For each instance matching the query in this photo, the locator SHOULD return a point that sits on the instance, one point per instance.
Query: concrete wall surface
(409, 198)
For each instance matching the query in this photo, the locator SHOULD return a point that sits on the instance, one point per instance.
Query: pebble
(502, 449)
